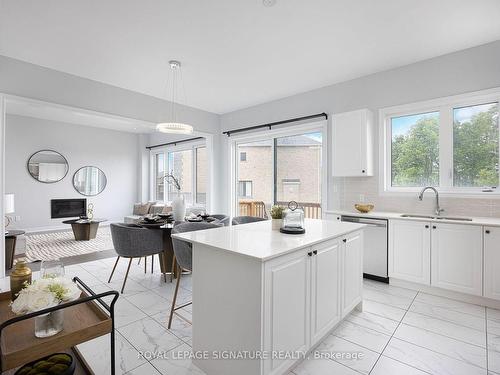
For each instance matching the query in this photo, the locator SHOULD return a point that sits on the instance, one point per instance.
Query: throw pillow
(141, 209)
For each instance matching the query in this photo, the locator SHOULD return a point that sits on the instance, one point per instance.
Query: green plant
(277, 212)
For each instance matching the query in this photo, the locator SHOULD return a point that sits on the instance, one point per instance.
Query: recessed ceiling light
(269, 3)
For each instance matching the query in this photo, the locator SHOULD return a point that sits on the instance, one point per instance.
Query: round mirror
(89, 181)
(47, 166)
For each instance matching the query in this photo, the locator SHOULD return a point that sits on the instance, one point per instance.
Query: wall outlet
(17, 218)
(361, 198)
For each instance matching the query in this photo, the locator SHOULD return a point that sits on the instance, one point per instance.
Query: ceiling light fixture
(174, 126)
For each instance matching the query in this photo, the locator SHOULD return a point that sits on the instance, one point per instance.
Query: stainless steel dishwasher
(375, 251)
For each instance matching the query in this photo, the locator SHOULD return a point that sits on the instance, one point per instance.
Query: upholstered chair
(183, 252)
(222, 219)
(237, 220)
(131, 241)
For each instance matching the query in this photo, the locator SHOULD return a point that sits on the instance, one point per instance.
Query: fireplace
(60, 208)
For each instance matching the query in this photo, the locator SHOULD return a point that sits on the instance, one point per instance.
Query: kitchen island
(262, 299)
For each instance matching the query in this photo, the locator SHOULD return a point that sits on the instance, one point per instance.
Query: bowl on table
(150, 219)
(364, 208)
(59, 363)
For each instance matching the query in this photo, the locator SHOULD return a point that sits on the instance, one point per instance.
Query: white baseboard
(476, 300)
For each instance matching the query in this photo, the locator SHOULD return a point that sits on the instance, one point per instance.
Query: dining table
(167, 256)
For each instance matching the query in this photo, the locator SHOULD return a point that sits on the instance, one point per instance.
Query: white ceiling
(238, 53)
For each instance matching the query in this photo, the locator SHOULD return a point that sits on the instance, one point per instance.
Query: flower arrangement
(45, 293)
(172, 180)
(277, 212)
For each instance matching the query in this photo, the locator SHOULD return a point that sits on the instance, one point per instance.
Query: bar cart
(84, 319)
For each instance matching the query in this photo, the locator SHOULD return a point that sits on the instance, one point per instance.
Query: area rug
(47, 246)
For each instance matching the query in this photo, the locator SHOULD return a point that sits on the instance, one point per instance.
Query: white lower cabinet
(302, 295)
(492, 262)
(448, 256)
(457, 258)
(352, 267)
(410, 251)
(325, 289)
(287, 294)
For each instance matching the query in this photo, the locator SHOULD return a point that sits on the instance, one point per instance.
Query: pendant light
(174, 126)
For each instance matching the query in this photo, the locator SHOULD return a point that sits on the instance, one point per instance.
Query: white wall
(115, 153)
(464, 71)
(36, 82)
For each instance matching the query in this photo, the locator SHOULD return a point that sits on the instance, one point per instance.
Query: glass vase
(49, 324)
(51, 268)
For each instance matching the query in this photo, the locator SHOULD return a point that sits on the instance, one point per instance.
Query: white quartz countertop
(487, 221)
(259, 241)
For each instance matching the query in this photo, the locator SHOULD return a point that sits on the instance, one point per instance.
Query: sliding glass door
(278, 170)
(254, 188)
(298, 172)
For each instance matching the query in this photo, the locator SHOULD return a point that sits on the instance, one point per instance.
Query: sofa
(155, 208)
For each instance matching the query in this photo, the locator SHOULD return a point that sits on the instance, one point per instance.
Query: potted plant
(42, 294)
(277, 216)
(178, 204)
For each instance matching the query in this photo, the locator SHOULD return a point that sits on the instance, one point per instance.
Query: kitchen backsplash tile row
(350, 190)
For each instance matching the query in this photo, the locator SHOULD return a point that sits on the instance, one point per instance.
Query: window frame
(445, 107)
(193, 146)
(154, 162)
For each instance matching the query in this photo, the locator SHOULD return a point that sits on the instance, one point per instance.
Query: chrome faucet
(438, 210)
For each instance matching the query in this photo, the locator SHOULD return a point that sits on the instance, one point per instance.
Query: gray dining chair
(183, 252)
(131, 241)
(237, 220)
(222, 219)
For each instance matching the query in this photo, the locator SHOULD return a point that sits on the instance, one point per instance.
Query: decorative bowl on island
(364, 208)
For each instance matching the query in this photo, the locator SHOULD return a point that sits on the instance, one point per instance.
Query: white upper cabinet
(457, 258)
(352, 143)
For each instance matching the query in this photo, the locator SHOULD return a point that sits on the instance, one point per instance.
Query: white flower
(44, 293)
(31, 301)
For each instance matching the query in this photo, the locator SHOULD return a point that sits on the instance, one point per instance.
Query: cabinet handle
(363, 171)
(315, 252)
(345, 240)
(310, 254)
(433, 227)
(487, 231)
(427, 226)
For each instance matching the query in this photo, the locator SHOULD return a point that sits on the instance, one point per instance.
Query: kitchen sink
(419, 216)
(453, 218)
(437, 217)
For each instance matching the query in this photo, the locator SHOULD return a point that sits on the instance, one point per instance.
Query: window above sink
(450, 143)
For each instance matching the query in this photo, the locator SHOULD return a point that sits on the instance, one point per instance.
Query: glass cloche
(293, 219)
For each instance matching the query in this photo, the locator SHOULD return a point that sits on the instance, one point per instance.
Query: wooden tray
(82, 322)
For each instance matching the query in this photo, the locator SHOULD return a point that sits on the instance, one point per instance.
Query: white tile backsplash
(349, 190)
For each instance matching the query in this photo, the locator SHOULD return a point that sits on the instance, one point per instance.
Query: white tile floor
(399, 332)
